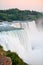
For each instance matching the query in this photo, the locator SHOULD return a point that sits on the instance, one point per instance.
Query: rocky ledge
(5, 60)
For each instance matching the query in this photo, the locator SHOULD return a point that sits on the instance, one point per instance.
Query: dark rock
(5, 60)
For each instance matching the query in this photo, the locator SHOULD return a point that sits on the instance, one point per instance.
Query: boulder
(5, 60)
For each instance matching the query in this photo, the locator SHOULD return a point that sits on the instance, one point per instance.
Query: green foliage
(1, 47)
(16, 60)
(16, 14)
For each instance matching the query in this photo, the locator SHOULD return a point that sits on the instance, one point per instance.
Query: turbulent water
(26, 41)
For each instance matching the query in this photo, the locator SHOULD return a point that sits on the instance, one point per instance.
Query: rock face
(5, 60)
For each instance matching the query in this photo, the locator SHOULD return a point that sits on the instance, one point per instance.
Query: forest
(19, 15)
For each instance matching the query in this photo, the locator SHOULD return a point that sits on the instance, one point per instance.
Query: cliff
(5, 60)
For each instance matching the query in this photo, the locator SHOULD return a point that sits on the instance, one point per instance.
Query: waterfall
(16, 41)
(26, 41)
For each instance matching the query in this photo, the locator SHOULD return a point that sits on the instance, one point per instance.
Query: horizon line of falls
(26, 41)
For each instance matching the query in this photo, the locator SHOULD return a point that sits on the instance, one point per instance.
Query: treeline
(16, 60)
(21, 15)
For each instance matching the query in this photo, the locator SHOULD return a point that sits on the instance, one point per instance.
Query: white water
(22, 42)
(15, 41)
(36, 37)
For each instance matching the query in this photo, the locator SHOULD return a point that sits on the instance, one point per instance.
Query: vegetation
(16, 60)
(21, 15)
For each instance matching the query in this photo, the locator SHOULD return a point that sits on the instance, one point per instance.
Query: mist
(37, 43)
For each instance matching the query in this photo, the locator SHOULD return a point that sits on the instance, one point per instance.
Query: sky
(36, 5)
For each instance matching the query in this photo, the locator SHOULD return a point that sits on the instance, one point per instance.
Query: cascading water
(16, 40)
(23, 40)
